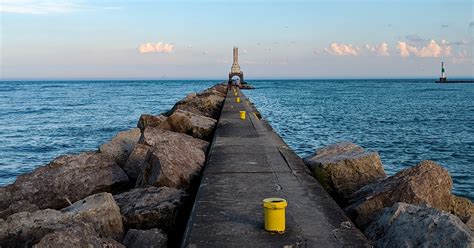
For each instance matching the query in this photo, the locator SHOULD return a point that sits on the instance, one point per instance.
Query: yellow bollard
(237, 100)
(242, 115)
(274, 211)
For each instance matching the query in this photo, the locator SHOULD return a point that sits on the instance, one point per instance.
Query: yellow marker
(237, 100)
(274, 211)
(242, 115)
(235, 93)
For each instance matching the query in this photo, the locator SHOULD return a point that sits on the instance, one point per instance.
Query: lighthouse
(235, 69)
(443, 74)
(443, 78)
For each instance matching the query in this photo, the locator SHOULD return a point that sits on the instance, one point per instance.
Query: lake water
(406, 121)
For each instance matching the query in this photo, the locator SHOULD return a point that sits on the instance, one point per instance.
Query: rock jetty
(412, 208)
(134, 191)
(137, 189)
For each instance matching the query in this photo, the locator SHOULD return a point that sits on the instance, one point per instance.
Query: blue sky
(194, 39)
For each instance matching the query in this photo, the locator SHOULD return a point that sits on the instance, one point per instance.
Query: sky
(83, 39)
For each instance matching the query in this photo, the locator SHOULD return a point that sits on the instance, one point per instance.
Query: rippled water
(41, 120)
(406, 121)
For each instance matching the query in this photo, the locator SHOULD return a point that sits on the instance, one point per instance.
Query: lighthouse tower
(443, 74)
(235, 69)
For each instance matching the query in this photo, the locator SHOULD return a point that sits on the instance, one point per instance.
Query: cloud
(379, 50)
(403, 47)
(41, 7)
(156, 48)
(471, 24)
(431, 50)
(342, 50)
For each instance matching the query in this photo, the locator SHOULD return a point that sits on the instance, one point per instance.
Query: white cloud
(431, 50)
(379, 50)
(40, 7)
(350, 50)
(159, 47)
(342, 49)
(403, 47)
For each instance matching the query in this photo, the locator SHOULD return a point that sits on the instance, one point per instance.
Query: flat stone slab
(248, 162)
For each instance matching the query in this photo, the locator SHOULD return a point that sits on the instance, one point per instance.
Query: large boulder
(198, 126)
(425, 183)
(407, 225)
(120, 147)
(343, 168)
(205, 104)
(99, 211)
(77, 236)
(24, 229)
(151, 207)
(66, 179)
(153, 238)
(175, 158)
(136, 161)
(147, 120)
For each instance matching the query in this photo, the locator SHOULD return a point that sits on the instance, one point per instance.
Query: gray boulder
(175, 158)
(147, 120)
(406, 225)
(66, 179)
(343, 168)
(425, 183)
(198, 126)
(120, 147)
(153, 238)
(151, 207)
(77, 236)
(99, 211)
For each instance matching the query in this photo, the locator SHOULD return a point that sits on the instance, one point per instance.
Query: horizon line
(221, 79)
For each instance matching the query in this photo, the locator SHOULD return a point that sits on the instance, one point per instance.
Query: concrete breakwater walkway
(248, 162)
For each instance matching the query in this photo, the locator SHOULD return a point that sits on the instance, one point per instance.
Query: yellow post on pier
(274, 211)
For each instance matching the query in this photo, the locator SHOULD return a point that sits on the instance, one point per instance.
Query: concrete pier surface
(248, 162)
